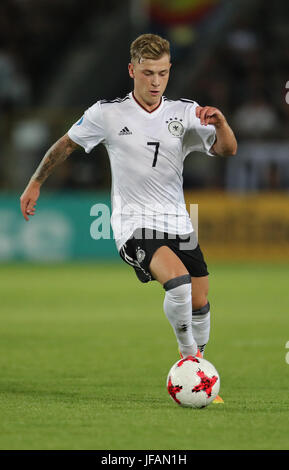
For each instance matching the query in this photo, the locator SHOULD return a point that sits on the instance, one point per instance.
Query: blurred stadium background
(57, 57)
(60, 316)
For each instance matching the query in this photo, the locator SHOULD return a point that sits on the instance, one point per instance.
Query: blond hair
(149, 46)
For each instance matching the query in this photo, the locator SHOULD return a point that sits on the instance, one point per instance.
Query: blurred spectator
(14, 88)
(242, 40)
(259, 166)
(29, 139)
(255, 118)
(179, 21)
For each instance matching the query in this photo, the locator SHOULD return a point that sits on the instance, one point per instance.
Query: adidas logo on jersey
(125, 131)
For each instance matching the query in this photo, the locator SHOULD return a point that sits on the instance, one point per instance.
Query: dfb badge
(140, 254)
(175, 127)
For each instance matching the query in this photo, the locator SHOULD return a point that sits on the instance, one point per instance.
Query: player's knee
(199, 300)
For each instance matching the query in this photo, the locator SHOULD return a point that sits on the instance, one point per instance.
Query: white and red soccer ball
(193, 382)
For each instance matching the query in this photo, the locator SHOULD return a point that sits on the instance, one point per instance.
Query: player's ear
(131, 70)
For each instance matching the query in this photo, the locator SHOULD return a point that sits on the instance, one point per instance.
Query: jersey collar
(149, 114)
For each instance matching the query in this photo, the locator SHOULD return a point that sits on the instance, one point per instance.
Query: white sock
(178, 309)
(201, 326)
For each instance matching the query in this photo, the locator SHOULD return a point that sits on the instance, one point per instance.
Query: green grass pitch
(85, 350)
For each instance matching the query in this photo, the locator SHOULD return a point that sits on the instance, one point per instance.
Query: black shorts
(140, 247)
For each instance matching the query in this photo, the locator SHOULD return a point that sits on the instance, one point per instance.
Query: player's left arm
(225, 144)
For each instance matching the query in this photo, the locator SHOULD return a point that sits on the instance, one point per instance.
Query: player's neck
(147, 107)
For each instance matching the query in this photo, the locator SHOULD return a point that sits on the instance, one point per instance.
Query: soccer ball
(193, 382)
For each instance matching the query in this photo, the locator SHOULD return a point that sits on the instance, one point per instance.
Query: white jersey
(146, 152)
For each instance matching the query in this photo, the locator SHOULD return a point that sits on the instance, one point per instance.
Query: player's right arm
(53, 157)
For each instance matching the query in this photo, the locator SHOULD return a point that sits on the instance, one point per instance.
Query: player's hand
(210, 115)
(29, 198)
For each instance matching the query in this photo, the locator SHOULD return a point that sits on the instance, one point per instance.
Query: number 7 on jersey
(157, 145)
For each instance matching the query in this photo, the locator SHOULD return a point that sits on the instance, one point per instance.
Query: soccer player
(147, 137)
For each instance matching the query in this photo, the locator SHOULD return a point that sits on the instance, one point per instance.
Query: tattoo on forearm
(53, 157)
